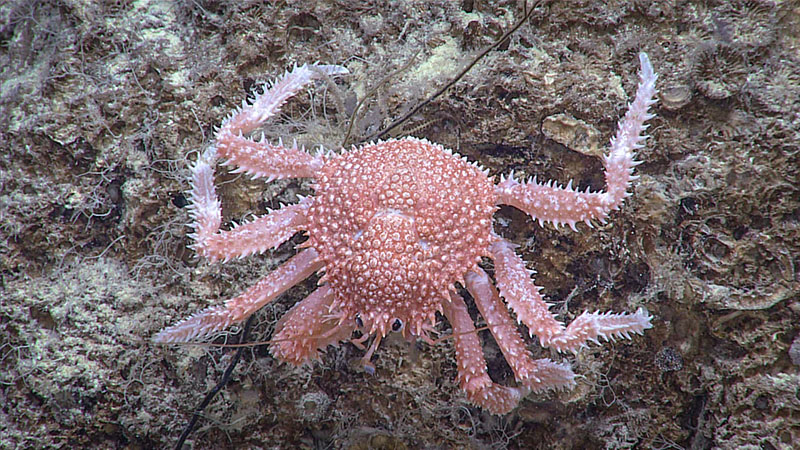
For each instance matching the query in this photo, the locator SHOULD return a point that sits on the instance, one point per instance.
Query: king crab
(395, 225)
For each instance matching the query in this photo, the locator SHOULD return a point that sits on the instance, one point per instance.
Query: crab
(396, 225)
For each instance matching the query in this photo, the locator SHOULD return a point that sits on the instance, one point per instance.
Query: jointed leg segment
(563, 205)
(259, 158)
(237, 309)
(268, 231)
(537, 375)
(306, 328)
(523, 297)
(473, 375)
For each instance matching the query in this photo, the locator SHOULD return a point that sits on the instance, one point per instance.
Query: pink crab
(395, 225)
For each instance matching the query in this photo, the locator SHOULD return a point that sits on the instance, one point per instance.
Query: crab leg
(563, 205)
(259, 158)
(473, 375)
(523, 296)
(239, 308)
(263, 233)
(305, 329)
(537, 374)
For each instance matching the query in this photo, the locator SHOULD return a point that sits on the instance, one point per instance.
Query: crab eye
(397, 325)
(359, 322)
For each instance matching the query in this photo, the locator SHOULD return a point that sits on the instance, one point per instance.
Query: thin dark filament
(213, 392)
(273, 341)
(456, 79)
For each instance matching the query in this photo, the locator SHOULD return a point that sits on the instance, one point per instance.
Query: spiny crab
(395, 225)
